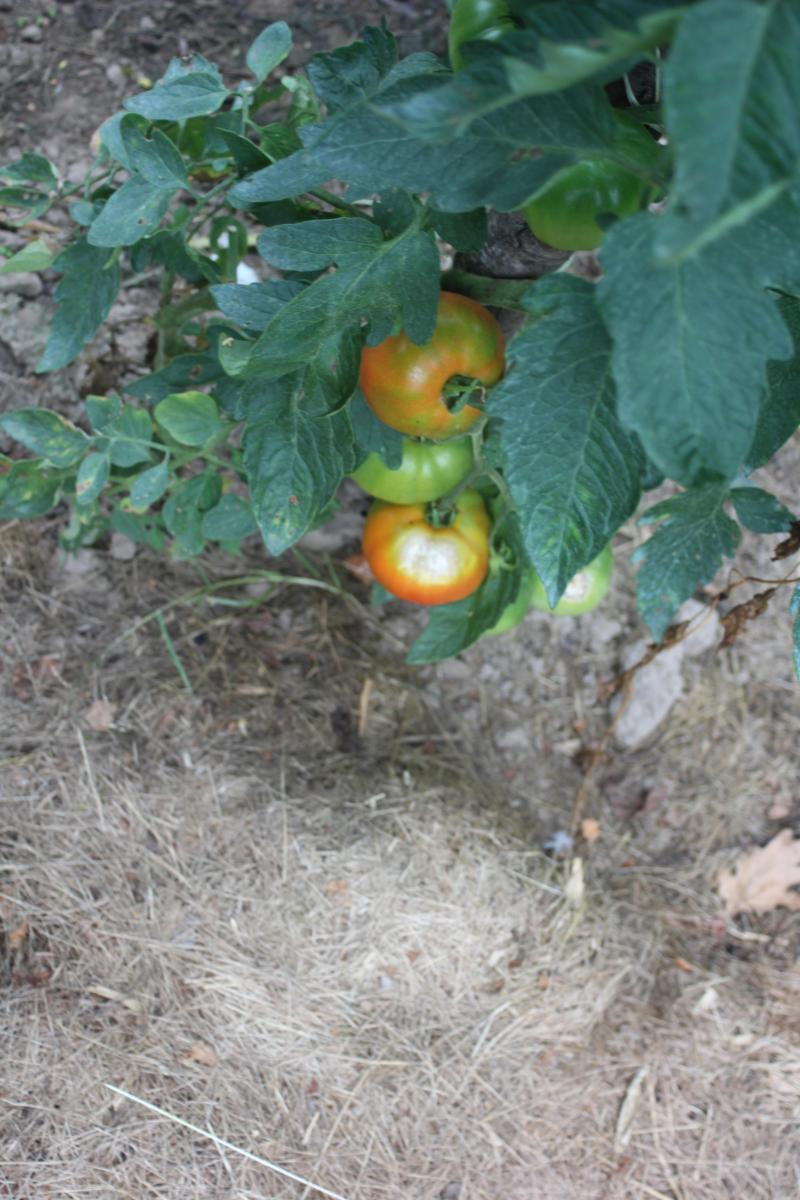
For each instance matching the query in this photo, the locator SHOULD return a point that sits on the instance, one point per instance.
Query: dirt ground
(312, 903)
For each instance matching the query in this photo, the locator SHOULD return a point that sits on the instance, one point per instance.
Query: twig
(222, 1142)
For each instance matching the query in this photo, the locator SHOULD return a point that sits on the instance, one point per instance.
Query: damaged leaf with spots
(764, 878)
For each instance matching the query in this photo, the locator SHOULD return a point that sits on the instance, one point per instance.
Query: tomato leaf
(230, 520)
(150, 486)
(91, 478)
(191, 90)
(269, 49)
(372, 436)
(127, 437)
(130, 213)
(453, 627)
(183, 513)
(47, 434)
(84, 295)
(27, 489)
(298, 442)
(152, 155)
(191, 418)
(684, 552)
(732, 94)
(761, 512)
(779, 412)
(696, 413)
(36, 256)
(573, 471)
(383, 281)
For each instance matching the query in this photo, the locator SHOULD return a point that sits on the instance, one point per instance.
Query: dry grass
(349, 955)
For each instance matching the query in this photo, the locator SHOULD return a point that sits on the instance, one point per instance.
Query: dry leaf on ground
(763, 878)
(99, 716)
(201, 1053)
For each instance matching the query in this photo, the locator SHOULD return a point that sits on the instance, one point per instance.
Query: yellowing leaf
(763, 878)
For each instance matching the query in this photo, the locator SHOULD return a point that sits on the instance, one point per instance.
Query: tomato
(403, 383)
(513, 613)
(564, 212)
(471, 19)
(583, 592)
(415, 561)
(427, 471)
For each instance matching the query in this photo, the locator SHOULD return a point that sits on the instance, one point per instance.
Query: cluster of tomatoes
(427, 537)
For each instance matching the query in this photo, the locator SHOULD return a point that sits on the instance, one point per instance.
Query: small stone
(24, 284)
(513, 739)
(706, 631)
(116, 76)
(122, 548)
(654, 690)
(147, 24)
(31, 33)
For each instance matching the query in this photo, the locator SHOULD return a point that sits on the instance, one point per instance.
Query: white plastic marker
(316, 1187)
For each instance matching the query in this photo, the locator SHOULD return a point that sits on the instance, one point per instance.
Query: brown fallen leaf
(590, 829)
(763, 878)
(201, 1053)
(99, 716)
(16, 937)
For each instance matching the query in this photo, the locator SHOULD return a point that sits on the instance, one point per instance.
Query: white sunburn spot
(426, 557)
(577, 587)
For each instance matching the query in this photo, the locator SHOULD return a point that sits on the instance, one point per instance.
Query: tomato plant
(304, 232)
(420, 389)
(471, 19)
(583, 592)
(514, 613)
(427, 471)
(564, 212)
(428, 564)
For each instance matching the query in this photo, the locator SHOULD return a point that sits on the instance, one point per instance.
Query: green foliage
(681, 367)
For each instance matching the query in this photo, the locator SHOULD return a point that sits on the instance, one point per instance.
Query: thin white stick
(227, 1145)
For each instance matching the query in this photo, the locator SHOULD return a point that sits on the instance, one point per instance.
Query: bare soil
(309, 903)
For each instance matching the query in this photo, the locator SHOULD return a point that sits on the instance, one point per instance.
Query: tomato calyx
(462, 390)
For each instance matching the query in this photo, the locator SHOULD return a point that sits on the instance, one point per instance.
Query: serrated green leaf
(36, 256)
(348, 73)
(495, 293)
(298, 442)
(47, 434)
(372, 436)
(27, 489)
(561, 45)
(194, 94)
(183, 372)
(133, 212)
(709, 327)
(464, 231)
(84, 295)
(573, 471)
(761, 512)
(149, 487)
(269, 49)
(779, 411)
(453, 627)
(92, 477)
(383, 281)
(253, 305)
(191, 418)
(731, 93)
(684, 552)
(230, 520)
(369, 150)
(152, 155)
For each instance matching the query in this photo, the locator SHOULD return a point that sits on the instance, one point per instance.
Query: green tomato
(564, 212)
(471, 19)
(514, 612)
(427, 471)
(583, 592)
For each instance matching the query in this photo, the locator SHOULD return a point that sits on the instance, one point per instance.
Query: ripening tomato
(405, 384)
(583, 592)
(415, 561)
(564, 212)
(427, 471)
